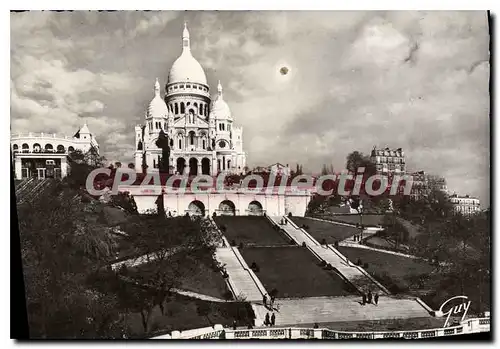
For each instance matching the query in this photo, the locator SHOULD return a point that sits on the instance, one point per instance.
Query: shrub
(322, 263)
(304, 244)
(292, 242)
(228, 295)
(336, 244)
(323, 242)
(328, 266)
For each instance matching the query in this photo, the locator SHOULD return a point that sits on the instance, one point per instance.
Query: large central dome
(186, 68)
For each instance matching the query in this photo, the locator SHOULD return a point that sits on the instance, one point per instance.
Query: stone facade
(231, 202)
(202, 136)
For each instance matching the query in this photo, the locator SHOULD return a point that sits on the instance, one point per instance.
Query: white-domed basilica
(202, 137)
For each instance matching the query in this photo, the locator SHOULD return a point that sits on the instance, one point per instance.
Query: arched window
(15, 147)
(165, 125)
(180, 143)
(195, 105)
(191, 138)
(71, 149)
(201, 109)
(206, 109)
(204, 144)
(176, 109)
(182, 108)
(60, 148)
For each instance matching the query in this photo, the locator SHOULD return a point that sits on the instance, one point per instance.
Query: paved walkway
(337, 309)
(242, 280)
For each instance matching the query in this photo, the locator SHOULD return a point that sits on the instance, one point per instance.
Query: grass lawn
(394, 272)
(250, 230)
(331, 232)
(383, 325)
(183, 313)
(204, 280)
(294, 272)
(198, 275)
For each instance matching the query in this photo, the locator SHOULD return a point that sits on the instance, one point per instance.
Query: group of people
(270, 321)
(367, 298)
(283, 222)
(357, 237)
(270, 304)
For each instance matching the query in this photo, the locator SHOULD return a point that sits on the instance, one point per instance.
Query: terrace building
(389, 161)
(424, 183)
(466, 205)
(43, 155)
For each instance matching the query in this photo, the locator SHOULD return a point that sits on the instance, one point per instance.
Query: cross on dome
(219, 89)
(185, 38)
(157, 87)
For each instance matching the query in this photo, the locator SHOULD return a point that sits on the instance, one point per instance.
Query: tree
(61, 247)
(356, 160)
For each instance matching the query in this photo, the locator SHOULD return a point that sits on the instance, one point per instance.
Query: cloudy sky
(416, 80)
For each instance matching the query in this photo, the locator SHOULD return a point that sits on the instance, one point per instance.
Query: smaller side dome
(157, 107)
(220, 109)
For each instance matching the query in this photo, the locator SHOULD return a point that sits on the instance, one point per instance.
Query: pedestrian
(264, 300)
(369, 297)
(281, 222)
(234, 324)
(273, 319)
(364, 299)
(272, 301)
(266, 320)
(376, 298)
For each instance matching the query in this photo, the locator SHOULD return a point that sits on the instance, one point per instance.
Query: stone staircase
(351, 272)
(338, 309)
(293, 231)
(241, 278)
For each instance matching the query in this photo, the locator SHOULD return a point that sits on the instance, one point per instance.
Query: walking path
(337, 309)
(242, 280)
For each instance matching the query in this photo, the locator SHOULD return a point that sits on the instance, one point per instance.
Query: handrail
(475, 325)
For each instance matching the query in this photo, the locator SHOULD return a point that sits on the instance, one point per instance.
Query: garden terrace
(399, 274)
(295, 272)
(329, 231)
(250, 230)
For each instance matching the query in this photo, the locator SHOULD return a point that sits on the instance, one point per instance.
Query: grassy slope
(294, 272)
(331, 232)
(393, 271)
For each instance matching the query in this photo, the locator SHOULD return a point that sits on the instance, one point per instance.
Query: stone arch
(196, 208)
(37, 148)
(205, 166)
(25, 147)
(60, 148)
(255, 208)
(181, 165)
(227, 208)
(15, 147)
(70, 149)
(193, 166)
